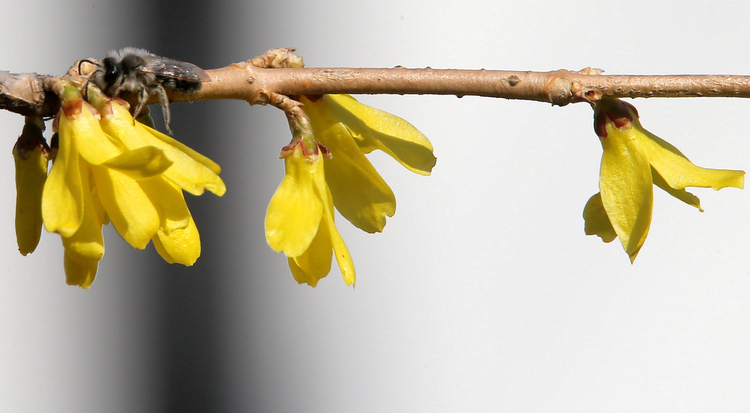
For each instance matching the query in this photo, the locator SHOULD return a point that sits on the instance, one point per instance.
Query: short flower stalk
(633, 161)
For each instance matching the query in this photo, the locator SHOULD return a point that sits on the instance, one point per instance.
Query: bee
(136, 71)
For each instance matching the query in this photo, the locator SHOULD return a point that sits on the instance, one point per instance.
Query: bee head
(112, 72)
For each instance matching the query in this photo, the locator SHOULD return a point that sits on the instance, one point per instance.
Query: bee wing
(163, 66)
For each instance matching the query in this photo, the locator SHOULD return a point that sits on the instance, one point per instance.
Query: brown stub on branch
(27, 94)
(278, 58)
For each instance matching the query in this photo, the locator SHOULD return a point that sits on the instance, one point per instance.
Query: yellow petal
(190, 170)
(315, 262)
(85, 248)
(208, 163)
(359, 192)
(101, 214)
(374, 129)
(128, 206)
(181, 246)
(95, 146)
(31, 172)
(295, 210)
(626, 188)
(680, 194)
(79, 272)
(343, 258)
(596, 219)
(140, 163)
(62, 196)
(677, 170)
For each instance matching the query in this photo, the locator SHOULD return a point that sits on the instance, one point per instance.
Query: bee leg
(142, 99)
(164, 100)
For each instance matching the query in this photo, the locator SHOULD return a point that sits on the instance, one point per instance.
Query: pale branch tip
(32, 94)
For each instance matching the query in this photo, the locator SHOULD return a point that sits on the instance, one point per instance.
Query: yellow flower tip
(182, 246)
(633, 254)
(596, 220)
(80, 272)
(302, 276)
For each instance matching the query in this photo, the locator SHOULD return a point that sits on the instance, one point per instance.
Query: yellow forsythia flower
(109, 167)
(30, 155)
(634, 159)
(300, 218)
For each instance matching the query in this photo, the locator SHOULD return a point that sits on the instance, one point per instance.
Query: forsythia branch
(256, 81)
(108, 166)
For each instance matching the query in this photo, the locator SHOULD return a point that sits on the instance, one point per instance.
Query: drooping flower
(633, 161)
(110, 168)
(300, 219)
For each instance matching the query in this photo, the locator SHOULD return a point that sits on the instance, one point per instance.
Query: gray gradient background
(482, 294)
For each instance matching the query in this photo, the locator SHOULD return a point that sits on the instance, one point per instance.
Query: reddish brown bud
(31, 138)
(72, 108)
(620, 113)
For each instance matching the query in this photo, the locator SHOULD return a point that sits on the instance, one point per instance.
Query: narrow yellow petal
(294, 213)
(208, 163)
(315, 262)
(626, 188)
(343, 258)
(359, 192)
(140, 163)
(375, 129)
(31, 173)
(85, 248)
(680, 194)
(95, 146)
(596, 219)
(62, 196)
(677, 171)
(79, 272)
(128, 206)
(78, 130)
(190, 170)
(169, 202)
(327, 224)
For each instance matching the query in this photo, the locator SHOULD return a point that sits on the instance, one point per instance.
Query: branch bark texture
(31, 94)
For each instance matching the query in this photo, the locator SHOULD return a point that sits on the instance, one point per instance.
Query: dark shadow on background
(189, 353)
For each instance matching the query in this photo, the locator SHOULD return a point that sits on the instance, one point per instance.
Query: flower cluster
(109, 168)
(327, 167)
(633, 161)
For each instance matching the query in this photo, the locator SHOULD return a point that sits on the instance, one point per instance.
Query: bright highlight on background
(482, 294)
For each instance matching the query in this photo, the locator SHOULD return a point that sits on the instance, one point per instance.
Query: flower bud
(30, 155)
